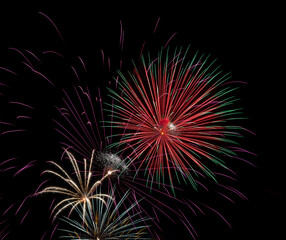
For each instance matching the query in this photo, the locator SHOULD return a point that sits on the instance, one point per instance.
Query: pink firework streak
(12, 169)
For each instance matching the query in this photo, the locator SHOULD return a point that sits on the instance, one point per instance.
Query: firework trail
(177, 115)
(82, 190)
(14, 126)
(108, 221)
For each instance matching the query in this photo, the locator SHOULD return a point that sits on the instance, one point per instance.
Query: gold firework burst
(81, 190)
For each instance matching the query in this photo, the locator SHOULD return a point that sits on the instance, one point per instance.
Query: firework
(108, 221)
(82, 190)
(176, 116)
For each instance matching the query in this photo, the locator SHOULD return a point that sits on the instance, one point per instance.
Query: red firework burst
(176, 115)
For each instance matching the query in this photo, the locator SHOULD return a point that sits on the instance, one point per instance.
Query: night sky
(246, 40)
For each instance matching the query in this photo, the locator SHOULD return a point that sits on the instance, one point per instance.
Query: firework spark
(82, 190)
(176, 115)
(107, 221)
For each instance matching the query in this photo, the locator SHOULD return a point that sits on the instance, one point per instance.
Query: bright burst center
(165, 126)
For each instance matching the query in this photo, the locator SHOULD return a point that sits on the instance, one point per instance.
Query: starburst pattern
(176, 115)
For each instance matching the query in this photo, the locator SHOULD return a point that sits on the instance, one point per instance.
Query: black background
(247, 40)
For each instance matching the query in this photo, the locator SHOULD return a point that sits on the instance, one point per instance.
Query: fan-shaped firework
(176, 115)
(82, 190)
(108, 221)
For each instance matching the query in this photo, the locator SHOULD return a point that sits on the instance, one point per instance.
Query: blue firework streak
(106, 221)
